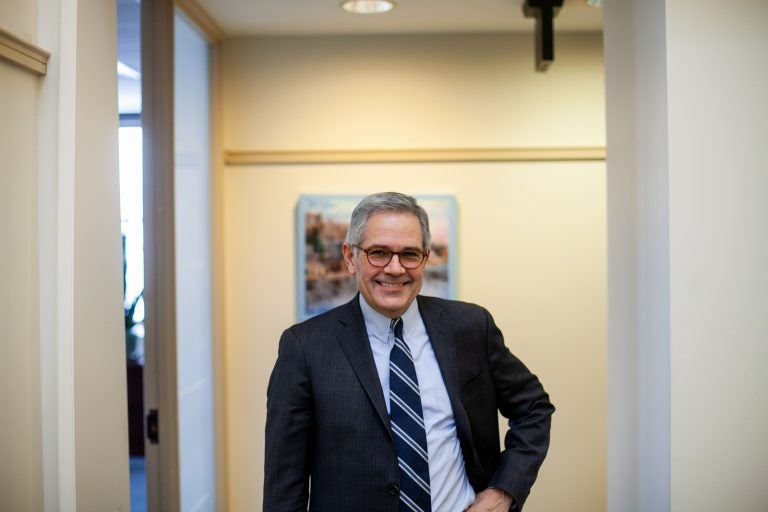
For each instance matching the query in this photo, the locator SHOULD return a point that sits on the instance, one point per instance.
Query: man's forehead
(393, 221)
(393, 228)
(394, 217)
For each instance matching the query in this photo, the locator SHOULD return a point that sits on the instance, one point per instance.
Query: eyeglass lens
(380, 257)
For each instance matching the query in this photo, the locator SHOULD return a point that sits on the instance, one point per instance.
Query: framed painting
(321, 226)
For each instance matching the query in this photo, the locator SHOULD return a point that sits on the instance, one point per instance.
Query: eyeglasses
(381, 256)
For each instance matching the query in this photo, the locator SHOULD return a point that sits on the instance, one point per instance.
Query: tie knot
(397, 327)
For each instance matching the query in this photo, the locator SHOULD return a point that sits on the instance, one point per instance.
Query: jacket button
(393, 489)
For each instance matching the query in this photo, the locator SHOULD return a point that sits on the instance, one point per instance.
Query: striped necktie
(407, 421)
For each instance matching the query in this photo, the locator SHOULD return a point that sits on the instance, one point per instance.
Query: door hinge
(152, 431)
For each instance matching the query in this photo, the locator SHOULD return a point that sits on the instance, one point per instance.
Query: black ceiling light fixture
(544, 11)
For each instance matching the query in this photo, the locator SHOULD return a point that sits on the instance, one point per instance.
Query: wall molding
(24, 54)
(554, 154)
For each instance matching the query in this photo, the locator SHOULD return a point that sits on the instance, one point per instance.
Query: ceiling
(238, 18)
(305, 17)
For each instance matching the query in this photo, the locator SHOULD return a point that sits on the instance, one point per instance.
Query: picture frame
(321, 226)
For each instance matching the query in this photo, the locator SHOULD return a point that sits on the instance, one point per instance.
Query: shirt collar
(377, 324)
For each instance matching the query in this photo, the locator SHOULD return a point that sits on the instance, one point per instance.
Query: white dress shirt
(450, 488)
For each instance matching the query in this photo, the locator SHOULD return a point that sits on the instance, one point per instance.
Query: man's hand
(491, 500)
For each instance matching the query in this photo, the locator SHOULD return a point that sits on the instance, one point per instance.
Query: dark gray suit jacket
(327, 420)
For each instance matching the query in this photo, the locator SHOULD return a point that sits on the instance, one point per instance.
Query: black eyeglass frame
(392, 253)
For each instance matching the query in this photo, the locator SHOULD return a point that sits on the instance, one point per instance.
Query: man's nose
(394, 266)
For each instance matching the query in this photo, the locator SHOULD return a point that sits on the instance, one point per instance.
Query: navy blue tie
(407, 421)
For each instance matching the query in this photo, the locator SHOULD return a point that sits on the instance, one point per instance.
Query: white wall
(718, 161)
(531, 236)
(687, 118)
(63, 377)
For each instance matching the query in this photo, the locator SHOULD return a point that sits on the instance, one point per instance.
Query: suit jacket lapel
(442, 344)
(441, 338)
(353, 339)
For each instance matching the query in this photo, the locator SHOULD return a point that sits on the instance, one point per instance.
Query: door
(179, 377)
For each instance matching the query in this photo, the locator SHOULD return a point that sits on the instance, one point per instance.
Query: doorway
(132, 232)
(165, 160)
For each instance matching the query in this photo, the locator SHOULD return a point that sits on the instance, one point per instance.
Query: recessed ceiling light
(367, 6)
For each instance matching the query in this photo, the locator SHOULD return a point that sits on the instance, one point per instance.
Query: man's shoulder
(327, 320)
(430, 304)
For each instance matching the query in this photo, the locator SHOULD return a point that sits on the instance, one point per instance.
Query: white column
(56, 198)
(688, 242)
(82, 345)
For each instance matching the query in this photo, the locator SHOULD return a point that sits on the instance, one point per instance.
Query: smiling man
(390, 402)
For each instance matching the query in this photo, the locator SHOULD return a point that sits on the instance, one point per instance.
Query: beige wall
(20, 476)
(410, 91)
(62, 380)
(99, 336)
(531, 236)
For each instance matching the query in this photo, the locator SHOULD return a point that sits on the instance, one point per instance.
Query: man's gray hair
(389, 202)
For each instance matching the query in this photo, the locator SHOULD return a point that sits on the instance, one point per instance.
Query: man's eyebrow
(409, 248)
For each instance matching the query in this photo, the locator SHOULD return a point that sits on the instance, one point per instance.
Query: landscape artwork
(322, 279)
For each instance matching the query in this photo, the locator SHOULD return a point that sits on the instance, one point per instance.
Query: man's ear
(349, 257)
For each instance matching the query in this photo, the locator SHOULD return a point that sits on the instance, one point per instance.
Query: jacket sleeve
(522, 400)
(289, 426)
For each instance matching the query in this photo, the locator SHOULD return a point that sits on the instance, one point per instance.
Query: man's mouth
(392, 286)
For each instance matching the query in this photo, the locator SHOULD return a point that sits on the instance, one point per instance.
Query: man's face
(390, 289)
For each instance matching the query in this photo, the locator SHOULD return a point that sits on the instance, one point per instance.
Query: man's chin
(394, 305)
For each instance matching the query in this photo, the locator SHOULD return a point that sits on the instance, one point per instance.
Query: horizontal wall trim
(240, 157)
(28, 56)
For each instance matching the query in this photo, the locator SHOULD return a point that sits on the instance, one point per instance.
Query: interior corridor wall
(718, 179)
(688, 286)
(20, 476)
(62, 376)
(531, 236)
